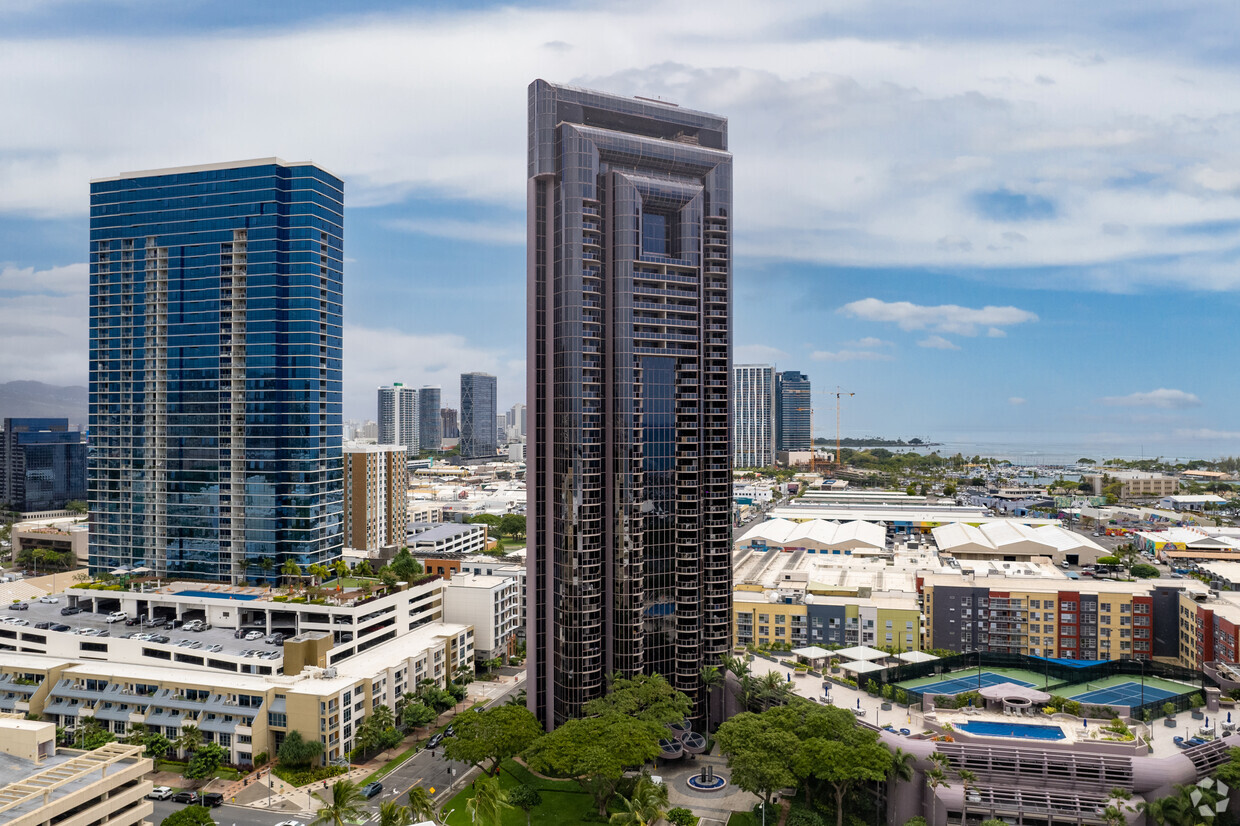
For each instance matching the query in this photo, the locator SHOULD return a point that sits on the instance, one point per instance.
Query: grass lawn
(743, 819)
(564, 803)
(351, 582)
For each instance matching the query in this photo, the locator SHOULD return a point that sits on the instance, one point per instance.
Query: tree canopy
(645, 697)
(493, 736)
(297, 752)
(189, 816)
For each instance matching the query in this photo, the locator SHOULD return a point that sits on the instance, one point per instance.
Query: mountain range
(34, 399)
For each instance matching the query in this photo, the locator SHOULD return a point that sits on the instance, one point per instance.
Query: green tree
(489, 802)
(647, 804)
(512, 524)
(189, 816)
(526, 798)
(363, 568)
(405, 566)
(645, 697)
(157, 745)
(392, 813)
(596, 751)
(493, 736)
(76, 505)
(421, 806)
(291, 571)
(489, 519)
(388, 577)
(712, 678)
(206, 761)
(320, 572)
(341, 568)
(296, 752)
(346, 804)
(417, 714)
(188, 740)
(91, 734)
(1144, 571)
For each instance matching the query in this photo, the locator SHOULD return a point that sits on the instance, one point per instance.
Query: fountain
(706, 780)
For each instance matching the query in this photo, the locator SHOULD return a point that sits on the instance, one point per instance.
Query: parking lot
(223, 637)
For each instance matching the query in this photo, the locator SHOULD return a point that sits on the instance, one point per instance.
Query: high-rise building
(42, 464)
(478, 416)
(398, 417)
(515, 418)
(450, 423)
(376, 494)
(793, 411)
(215, 352)
(430, 423)
(629, 349)
(753, 415)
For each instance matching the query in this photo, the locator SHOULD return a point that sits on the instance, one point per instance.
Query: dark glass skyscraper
(215, 356)
(793, 411)
(629, 473)
(430, 422)
(42, 464)
(478, 433)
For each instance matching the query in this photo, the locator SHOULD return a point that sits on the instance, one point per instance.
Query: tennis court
(959, 685)
(1124, 694)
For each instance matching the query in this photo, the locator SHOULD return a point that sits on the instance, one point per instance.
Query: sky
(1012, 224)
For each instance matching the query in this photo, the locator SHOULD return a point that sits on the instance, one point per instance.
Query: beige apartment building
(376, 489)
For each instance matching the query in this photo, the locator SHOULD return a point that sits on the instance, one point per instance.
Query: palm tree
(265, 565)
(189, 740)
(420, 804)
(320, 572)
(341, 568)
(517, 699)
(712, 678)
(392, 813)
(291, 570)
(346, 805)
(646, 806)
(937, 776)
(1165, 811)
(487, 805)
(901, 765)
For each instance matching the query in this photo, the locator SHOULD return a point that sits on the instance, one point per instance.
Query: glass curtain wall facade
(215, 359)
(753, 415)
(629, 348)
(398, 417)
(42, 465)
(478, 433)
(794, 414)
(430, 422)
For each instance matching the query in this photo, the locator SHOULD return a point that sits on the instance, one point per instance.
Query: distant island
(876, 441)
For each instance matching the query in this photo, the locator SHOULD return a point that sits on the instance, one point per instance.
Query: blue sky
(998, 225)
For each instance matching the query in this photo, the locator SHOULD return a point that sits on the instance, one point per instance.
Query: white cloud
(944, 318)
(938, 343)
(995, 332)
(1016, 401)
(757, 354)
(1205, 434)
(1162, 397)
(849, 355)
(44, 317)
(868, 343)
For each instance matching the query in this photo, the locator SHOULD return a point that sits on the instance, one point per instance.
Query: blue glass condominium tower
(478, 434)
(629, 341)
(215, 386)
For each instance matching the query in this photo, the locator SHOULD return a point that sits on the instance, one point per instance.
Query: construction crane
(839, 394)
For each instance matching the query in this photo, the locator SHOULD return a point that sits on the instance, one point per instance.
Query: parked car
(19, 606)
(275, 639)
(160, 793)
(253, 635)
(185, 797)
(434, 741)
(44, 625)
(133, 621)
(70, 610)
(212, 799)
(117, 616)
(371, 789)
(160, 638)
(215, 648)
(194, 644)
(59, 627)
(193, 625)
(11, 621)
(449, 732)
(49, 600)
(153, 622)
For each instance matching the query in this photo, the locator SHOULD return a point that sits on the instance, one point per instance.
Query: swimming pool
(1028, 731)
(215, 595)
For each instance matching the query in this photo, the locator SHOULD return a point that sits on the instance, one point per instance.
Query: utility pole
(839, 394)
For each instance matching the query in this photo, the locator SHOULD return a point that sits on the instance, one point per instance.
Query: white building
(1190, 503)
(753, 415)
(491, 605)
(447, 538)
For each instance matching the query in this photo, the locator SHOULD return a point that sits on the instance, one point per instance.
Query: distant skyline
(991, 228)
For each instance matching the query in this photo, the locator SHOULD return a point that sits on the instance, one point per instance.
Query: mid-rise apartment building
(399, 422)
(491, 605)
(376, 492)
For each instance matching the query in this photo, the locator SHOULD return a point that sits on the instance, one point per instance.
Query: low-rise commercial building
(1134, 484)
(426, 538)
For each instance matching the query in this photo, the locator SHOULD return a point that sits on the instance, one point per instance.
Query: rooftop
(23, 792)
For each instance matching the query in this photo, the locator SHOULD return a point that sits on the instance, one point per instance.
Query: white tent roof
(860, 652)
(811, 652)
(818, 534)
(862, 668)
(1010, 537)
(915, 657)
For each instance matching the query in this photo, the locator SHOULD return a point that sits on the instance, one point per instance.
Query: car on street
(371, 789)
(434, 741)
(185, 797)
(49, 600)
(19, 606)
(253, 635)
(70, 610)
(117, 616)
(212, 799)
(160, 793)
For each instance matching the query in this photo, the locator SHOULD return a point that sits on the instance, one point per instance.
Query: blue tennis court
(1124, 694)
(959, 685)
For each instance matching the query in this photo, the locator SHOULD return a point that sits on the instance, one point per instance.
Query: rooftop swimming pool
(1028, 731)
(215, 595)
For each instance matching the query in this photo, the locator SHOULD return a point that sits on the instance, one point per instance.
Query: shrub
(1196, 701)
(901, 696)
(889, 692)
(680, 816)
(803, 817)
(916, 821)
(302, 777)
(260, 759)
(189, 816)
(1168, 710)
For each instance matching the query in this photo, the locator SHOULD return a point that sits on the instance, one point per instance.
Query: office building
(42, 465)
(215, 358)
(753, 415)
(376, 489)
(430, 423)
(398, 418)
(450, 423)
(478, 416)
(629, 349)
(794, 413)
(515, 418)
